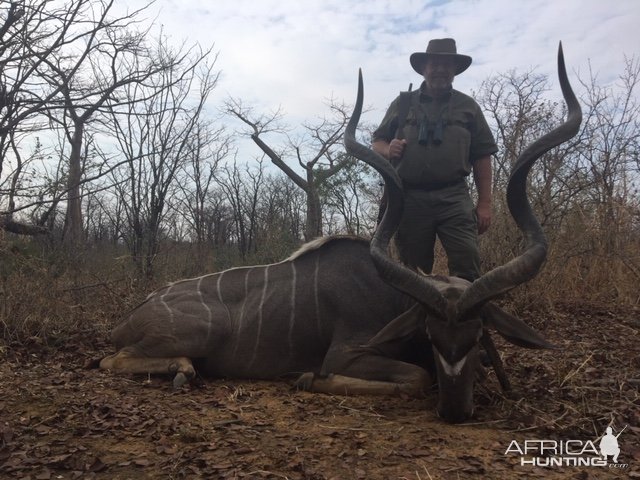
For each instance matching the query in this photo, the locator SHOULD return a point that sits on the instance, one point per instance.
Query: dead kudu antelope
(340, 311)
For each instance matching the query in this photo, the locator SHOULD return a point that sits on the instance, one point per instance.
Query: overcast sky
(296, 53)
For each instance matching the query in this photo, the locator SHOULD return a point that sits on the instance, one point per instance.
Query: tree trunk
(313, 226)
(73, 221)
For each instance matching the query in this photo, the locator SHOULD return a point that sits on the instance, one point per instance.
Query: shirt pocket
(463, 119)
(457, 146)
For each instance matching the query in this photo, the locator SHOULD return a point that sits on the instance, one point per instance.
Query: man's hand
(483, 215)
(396, 149)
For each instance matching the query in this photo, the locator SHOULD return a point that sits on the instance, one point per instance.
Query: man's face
(439, 72)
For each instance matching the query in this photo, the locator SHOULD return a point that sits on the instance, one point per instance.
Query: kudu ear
(403, 327)
(513, 329)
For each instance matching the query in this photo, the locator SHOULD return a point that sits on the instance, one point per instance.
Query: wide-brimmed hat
(441, 47)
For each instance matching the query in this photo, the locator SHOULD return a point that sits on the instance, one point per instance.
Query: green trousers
(448, 214)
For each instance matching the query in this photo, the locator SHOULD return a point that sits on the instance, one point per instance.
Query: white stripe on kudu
(315, 293)
(206, 307)
(292, 314)
(260, 307)
(242, 309)
(218, 283)
(164, 304)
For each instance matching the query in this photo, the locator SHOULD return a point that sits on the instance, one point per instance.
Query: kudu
(327, 314)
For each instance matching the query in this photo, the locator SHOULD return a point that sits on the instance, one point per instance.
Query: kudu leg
(369, 375)
(125, 361)
(341, 385)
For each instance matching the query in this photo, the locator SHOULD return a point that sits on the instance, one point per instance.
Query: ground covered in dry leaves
(61, 420)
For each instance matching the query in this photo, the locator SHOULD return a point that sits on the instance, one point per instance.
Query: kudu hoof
(305, 382)
(179, 380)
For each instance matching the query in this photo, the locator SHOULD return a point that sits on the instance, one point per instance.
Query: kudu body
(301, 315)
(340, 311)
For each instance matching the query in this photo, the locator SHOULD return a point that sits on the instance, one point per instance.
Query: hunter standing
(436, 136)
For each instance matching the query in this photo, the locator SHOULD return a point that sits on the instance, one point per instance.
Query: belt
(430, 187)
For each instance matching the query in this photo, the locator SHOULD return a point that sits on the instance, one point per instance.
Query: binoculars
(430, 132)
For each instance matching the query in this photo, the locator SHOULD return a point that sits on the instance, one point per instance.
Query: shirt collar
(425, 97)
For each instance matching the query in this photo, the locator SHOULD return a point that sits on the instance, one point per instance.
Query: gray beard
(439, 92)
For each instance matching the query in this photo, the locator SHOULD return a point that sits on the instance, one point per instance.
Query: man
(444, 138)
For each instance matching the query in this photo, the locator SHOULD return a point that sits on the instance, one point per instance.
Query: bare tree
(63, 61)
(154, 130)
(317, 152)
(207, 147)
(281, 218)
(610, 148)
(242, 188)
(90, 79)
(353, 194)
(520, 111)
(585, 185)
(30, 31)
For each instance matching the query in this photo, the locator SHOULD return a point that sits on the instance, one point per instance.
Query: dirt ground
(61, 420)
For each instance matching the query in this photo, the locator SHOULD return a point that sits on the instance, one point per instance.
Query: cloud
(296, 54)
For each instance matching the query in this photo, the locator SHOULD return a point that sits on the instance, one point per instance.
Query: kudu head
(453, 311)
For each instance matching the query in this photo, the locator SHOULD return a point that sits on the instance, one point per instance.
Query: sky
(295, 54)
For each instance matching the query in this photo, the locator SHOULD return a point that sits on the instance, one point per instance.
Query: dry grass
(47, 296)
(591, 381)
(47, 299)
(590, 259)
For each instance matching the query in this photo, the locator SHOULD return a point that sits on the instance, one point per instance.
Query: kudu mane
(305, 249)
(320, 242)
